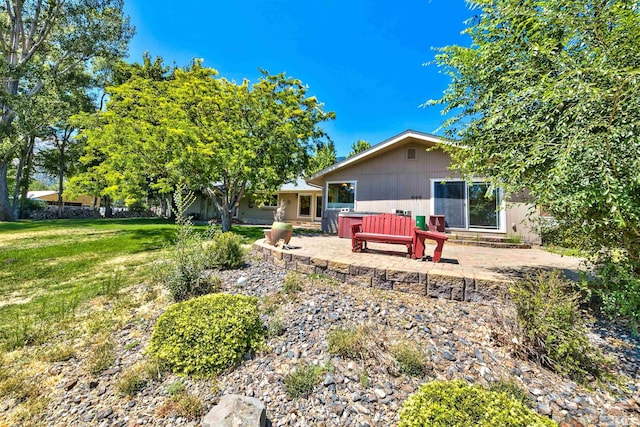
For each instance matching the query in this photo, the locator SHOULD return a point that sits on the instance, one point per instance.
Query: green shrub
(302, 381)
(292, 283)
(550, 328)
(226, 251)
(410, 359)
(206, 335)
(457, 404)
(176, 388)
(348, 342)
(618, 287)
(182, 271)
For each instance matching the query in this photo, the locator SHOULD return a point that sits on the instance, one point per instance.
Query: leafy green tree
(358, 147)
(323, 157)
(547, 99)
(224, 138)
(41, 42)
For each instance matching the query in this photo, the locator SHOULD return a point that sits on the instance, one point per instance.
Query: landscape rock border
(451, 287)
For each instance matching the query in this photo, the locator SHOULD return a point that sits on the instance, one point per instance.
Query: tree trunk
(6, 213)
(60, 181)
(225, 220)
(108, 212)
(26, 177)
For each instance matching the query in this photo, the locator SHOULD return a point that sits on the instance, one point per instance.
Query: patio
(467, 273)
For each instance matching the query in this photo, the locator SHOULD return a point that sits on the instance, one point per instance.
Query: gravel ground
(455, 337)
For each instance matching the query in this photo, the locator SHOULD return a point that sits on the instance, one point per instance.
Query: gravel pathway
(455, 337)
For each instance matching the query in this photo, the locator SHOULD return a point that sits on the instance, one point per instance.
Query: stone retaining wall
(433, 285)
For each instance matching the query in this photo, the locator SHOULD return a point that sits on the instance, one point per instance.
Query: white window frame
(325, 200)
(502, 212)
(301, 195)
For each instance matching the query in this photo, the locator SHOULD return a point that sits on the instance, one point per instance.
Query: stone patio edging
(434, 285)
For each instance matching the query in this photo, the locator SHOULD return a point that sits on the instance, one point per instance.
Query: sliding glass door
(467, 206)
(450, 202)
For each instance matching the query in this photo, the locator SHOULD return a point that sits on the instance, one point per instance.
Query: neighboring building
(50, 197)
(303, 206)
(400, 174)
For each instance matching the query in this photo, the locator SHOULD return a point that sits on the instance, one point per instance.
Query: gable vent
(411, 154)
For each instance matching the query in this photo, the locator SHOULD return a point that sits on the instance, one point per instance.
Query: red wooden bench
(385, 228)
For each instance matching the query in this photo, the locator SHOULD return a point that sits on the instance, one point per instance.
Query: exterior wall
(390, 181)
(204, 209)
(519, 222)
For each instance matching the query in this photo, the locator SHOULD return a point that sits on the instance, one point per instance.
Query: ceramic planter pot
(280, 231)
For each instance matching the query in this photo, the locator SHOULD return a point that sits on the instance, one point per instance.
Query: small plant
(59, 353)
(348, 342)
(154, 368)
(364, 378)
(513, 238)
(226, 251)
(133, 344)
(182, 271)
(206, 335)
(292, 283)
(548, 327)
(182, 404)
(457, 404)
(110, 285)
(101, 356)
(409, 358)
(176, 388)
(133, 381)
(276, 327)
(302, 381)
(511, 389)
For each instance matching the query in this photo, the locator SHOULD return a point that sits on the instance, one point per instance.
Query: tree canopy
(547, 99)
(42, 43)
(227, 139)
(358, 146)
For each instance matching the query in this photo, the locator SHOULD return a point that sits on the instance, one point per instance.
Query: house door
(450, 201)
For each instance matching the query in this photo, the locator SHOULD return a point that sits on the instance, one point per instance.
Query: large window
(341, 195)
(468, 205)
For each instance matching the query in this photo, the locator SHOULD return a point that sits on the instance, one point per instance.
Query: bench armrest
(356, 228)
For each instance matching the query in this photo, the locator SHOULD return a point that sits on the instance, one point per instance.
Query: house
(303, 206)
(400, 174)
(50, 197)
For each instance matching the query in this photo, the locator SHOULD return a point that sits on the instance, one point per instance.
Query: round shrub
(207, 335)
(226, 251)
(458, 404)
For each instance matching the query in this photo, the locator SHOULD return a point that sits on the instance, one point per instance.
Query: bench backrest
(395, 225)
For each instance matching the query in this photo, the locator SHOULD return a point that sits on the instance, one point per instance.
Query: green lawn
(49, 268)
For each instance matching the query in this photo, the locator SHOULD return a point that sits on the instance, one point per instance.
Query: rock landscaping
(454, 337)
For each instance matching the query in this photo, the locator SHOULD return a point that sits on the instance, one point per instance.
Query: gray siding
(391, 181)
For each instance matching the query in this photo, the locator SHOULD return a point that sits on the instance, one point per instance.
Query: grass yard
(48, 268)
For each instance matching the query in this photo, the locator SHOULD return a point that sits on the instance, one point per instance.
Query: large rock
(236, 411)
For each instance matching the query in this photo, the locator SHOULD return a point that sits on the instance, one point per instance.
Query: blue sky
(362, 58)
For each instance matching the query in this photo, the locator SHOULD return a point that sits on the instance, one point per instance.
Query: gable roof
(376, 149)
